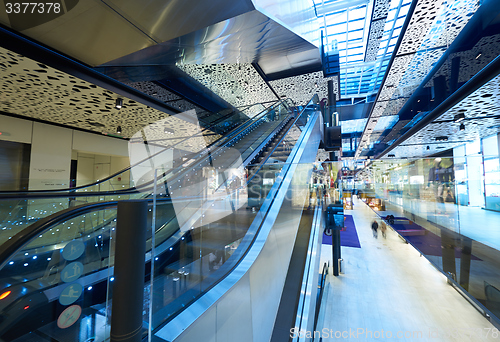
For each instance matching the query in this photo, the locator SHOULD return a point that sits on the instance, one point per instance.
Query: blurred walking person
(375, 228)
(383, 228)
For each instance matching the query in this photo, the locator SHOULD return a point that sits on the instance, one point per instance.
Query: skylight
(346, 25)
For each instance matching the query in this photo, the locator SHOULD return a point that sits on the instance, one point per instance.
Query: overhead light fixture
(458, 117)
(479, 55)
(167, 130)
(443, 138)
(118, 103)
(462, 127)
(119, 129)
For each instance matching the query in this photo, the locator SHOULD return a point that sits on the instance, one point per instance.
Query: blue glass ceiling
(346, 24)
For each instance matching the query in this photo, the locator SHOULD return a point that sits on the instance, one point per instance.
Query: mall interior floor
(386, 288)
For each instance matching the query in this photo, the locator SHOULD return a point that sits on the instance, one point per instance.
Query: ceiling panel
(34, 90)
(433, 26)
(482, 112)
(302, 88)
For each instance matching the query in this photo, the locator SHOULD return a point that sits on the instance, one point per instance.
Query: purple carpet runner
(348, 236)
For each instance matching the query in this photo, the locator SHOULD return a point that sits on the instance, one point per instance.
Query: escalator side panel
(262, 271)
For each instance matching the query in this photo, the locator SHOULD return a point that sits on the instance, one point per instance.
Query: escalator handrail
(25, 236)
(254, 236)
(261, 164)
(14, 245)
(29, 233)
(62, 192)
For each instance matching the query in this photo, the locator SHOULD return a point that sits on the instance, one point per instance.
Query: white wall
(50, 157)
(16, 130)
(52, 149)
(101, 144)
(94, 167)
(85, 169)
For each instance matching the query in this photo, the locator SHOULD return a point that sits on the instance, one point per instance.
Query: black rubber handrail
(29, 233)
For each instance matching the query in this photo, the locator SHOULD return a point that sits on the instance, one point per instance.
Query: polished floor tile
(388, 291)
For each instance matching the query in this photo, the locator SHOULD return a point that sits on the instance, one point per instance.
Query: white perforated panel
(433, 26)
(478, 109)
(165, 95)
(372, 47)
(34, 90)
(238, 84)
(302, 88)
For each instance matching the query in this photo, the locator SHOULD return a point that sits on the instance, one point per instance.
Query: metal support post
(128, 287)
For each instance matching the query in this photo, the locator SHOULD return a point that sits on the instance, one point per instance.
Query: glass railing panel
(60, 282)
(447, 209)
(201, 222)
(221, 224)
(17, 214)
(211, 245)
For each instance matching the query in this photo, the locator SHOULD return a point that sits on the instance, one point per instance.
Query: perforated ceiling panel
(376, 31)
(481, 109)
(433, 25)
(471, 61)
(34, 90)
(302, 88)
(164, 95)
(379, 16)
(238, 84)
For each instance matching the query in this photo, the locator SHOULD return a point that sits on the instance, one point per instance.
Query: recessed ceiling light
(118, 103)
(459, 117)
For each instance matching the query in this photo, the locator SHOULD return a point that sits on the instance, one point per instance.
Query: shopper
(383, 228)
(375, 228)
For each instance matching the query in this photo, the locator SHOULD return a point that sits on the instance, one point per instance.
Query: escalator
(18, 209)
(203, 217)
